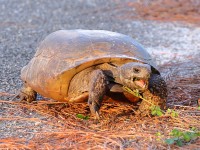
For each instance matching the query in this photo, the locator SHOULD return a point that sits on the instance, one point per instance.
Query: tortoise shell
(64, 53)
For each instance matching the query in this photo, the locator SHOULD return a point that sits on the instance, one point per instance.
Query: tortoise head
(135, 75)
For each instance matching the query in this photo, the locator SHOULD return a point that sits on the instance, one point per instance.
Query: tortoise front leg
(97, 89)
(26, 94)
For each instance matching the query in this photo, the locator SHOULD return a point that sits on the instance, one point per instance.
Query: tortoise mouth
(141, 83)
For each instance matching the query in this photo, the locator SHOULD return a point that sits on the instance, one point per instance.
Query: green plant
(172, 113)
(179, 137)
(156, 111)
(159, 136)
(136, 93)
(80, 116)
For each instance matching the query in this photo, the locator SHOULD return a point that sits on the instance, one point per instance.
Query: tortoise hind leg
(26, 94)
(97, 89)
(156, 95)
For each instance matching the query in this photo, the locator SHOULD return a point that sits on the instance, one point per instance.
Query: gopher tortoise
(80, 65)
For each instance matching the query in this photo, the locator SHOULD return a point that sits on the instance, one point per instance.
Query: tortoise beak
(141, 83)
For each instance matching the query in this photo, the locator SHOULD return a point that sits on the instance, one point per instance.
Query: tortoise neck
(111, 71)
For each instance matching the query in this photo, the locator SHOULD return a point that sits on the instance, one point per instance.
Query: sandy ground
(23, 24)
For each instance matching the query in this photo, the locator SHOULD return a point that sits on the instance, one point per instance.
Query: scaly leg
(97, 89)
(26, 94)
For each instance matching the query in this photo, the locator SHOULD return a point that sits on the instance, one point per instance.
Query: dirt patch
(166, 10)
(183, 80)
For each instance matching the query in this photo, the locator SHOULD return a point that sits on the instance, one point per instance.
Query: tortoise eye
(136, 70)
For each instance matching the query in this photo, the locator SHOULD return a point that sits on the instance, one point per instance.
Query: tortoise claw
(16, 96)
(97, 117)
(26, 94)
(27, 97)
(94, 109)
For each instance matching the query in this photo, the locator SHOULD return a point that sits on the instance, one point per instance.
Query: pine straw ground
(53, 125)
